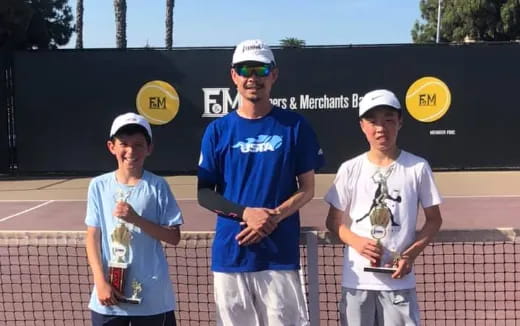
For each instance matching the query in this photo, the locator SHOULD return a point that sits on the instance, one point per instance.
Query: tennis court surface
(469, 276)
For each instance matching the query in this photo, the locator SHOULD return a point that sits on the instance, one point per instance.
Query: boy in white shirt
(379, 193)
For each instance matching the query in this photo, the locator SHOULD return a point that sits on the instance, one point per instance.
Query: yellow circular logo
(158, 102)
(428, 99)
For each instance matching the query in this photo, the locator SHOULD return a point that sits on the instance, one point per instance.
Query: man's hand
(260, 222)
(248, 236)
(125, 212)
(367, 248)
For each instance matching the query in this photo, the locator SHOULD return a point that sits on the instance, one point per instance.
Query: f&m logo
(218, 102)
(428, 99)
(158, 102)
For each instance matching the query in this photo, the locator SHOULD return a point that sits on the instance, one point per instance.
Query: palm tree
(79, 24)
(120, 12)
(169, 23)
(292, 42)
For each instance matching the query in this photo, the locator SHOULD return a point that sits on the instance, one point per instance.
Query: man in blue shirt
(256, 169)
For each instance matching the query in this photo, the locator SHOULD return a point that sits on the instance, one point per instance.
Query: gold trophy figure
(120, 246)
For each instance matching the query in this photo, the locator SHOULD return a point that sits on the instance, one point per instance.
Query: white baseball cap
(253, 50)
(129, 118)
(379, 97)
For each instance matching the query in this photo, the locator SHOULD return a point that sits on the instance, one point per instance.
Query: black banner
(66, 100)
(5, 153)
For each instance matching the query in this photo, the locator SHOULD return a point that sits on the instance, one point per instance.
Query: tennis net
(466, 277)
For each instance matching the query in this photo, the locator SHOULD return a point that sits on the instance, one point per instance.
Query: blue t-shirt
(254, 163)
(152, 199)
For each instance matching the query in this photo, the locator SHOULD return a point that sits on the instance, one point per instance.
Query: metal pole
(438, 21)
(313, 280)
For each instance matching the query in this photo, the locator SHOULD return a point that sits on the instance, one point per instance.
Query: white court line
(25, 211)
(67, 200)
(481, 196)
(21, 200)
(468, 196)
(39, 200)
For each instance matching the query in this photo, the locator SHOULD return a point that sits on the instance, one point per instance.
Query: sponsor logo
(260, 144)
(428, 99)
(218, 102)
(158, 102)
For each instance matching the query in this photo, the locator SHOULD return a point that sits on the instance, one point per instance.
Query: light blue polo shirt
(152, 199)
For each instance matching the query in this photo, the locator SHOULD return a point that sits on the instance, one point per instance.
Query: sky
(227, 22)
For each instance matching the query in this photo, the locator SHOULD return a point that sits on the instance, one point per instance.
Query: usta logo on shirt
(260, 144)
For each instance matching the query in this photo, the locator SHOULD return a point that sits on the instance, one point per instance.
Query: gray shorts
(379, 308)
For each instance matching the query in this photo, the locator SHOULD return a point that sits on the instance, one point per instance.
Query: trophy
(118, 264)
(380, 216)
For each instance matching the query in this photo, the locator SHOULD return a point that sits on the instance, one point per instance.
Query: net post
(311, 239)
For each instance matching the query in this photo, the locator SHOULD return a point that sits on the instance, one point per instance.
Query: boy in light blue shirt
(129, 212)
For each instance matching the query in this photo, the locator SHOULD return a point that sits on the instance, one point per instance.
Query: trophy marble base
(129, 300)
(387, 270)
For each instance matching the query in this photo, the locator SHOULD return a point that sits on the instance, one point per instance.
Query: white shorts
(260, 298)
(379, 308)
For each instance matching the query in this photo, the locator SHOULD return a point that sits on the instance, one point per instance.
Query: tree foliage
(479, 20)
(28, 24)
(292, 42)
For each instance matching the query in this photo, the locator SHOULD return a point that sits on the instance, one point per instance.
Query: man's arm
(301, 197)
(210, 199)
(168, 234)
(106, 294)
(366, 247)
(424, 237)
(258, 219)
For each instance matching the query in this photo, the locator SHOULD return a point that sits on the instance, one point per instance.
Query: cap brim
(254, 59)
(379, 106)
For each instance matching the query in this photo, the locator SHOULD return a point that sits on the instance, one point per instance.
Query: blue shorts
(164, 319)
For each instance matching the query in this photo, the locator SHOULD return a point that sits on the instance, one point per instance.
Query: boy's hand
(125, 212)
(367, 248)
(107, 295)
(404, 266)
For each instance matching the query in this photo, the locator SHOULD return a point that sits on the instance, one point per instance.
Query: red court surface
(61, 215)
(472, 200)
